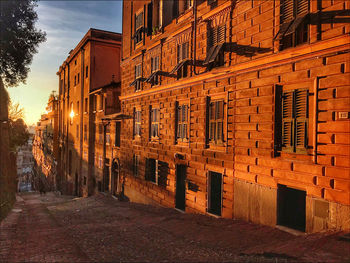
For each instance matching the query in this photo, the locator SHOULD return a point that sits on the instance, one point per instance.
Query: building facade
(240, 109)
(25, 164)
(45, 146)
(89, 88)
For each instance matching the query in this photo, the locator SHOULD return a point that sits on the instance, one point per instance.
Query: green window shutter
(207, 120)
(163, 170)
(301, 109)
(278, 120)
(287, 121)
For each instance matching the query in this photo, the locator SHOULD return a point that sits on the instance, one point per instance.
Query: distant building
(240, 109)
(25, 163)
(45, 145)
(89, 90)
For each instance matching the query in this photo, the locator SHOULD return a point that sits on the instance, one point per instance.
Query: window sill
(154, 139)
(182, 143)
(217, 147)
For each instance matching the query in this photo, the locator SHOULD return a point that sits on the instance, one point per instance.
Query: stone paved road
(101, 229)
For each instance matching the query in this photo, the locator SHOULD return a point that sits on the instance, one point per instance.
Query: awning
(117, 116)
(137, 80)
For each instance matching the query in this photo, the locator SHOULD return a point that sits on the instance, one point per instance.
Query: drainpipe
(194, 36)
(81, 115)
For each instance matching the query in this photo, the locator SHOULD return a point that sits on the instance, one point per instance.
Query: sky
(65, 24)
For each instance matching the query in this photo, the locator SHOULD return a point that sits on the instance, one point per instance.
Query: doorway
(180, 198)
(291, 207)
(115, 177)
(215, 193)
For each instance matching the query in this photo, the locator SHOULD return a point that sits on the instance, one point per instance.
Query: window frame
(136, 165)
(294, 30)
(155, 66)
(183, 54)
(152, 122)
(137, 122)
(299, 99)
(138, 29)
(216, 40)
(182, 118)
(138, 77)
(216, 142)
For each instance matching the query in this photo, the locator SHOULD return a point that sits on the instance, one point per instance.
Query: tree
(19, 133)
(15, 112)
(19, 39)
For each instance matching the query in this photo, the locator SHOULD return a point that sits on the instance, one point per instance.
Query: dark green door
(180, 187)
(215, 193)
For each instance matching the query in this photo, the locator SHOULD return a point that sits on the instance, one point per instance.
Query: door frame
(184, 180)
(209, 195)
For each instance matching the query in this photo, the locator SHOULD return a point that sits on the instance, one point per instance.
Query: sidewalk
(102, 229)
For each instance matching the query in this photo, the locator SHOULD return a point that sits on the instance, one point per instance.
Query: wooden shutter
(287, 121)
(177, 115)
(207, 121)
(221, 34)
(220, 121)
(302, 7)
(149, 18)
(278, 120)
(287, 11)
(301, 120)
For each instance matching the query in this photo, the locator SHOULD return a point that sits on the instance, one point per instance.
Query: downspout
(81, 117)
(194, 36)
(67, 135)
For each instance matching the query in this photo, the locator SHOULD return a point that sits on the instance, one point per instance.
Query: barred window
(182, 122)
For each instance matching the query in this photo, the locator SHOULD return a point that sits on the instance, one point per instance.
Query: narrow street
(101, 229)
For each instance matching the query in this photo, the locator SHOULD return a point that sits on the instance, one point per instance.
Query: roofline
(87, 37)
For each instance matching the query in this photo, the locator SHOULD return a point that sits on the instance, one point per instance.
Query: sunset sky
(65, 23)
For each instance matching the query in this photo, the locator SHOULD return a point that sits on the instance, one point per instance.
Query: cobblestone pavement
(101, 229)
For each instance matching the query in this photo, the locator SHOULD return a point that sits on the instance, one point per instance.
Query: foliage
(19, 39)
(15, 112)
(19, 134)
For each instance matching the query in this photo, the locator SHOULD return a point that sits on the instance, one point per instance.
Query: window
(293, 23)
(77, 107)
(101, 102)
(138, 28)
(85, 133)
(78, 79)
(94, 103)
(108, 134)
(138, 74)
(157, 172)
(184, 5)
(215, 48)
(137, 123)
(182, 59)
(216, 122)
(86, 105)
(100, 161)
(182, 123)
(135, 165)
(100, 133)
(87, 71)
(291, 120)
(77, 131)
(155, 68)
(154, 123)
(75, 80)
(117, 134)
(75, 62)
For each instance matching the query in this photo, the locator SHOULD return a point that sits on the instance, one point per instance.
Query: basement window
(157, 172)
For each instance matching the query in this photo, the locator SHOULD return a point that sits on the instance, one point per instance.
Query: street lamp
(71, 115)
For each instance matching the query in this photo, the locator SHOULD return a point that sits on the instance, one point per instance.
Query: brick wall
(248, 162)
